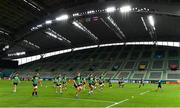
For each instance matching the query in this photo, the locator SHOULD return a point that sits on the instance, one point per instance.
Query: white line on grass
(116, 103)
(144, 92)
(102, 101)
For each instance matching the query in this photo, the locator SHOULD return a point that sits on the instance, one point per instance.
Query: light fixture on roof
(110, 9)
(17, 54)
(91, 12)
(62, 17)
(125, 9)
(76, 14)
(31, 44)
(32, 4)
(151, 20)
(55, 35)
(48, 22)
(83, 28)
(40, 25)
(4, 32)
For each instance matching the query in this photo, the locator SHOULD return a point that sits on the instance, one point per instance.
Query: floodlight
(125, 9)
(62, 18)
(151, 20)
(110, 9)
(48, 22)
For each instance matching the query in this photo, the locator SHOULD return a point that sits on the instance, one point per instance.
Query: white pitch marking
(116, 103)
(144, 92)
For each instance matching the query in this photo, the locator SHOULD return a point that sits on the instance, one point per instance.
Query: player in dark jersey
(101, 82)
(91, 83)
(35, 80)
(159, 85)
(15, 81)
(78, 83)
(121, 83)
(64, 82)
(95, 84)
(84, 83)
(59, 84)
(110, 83)
(141, 83)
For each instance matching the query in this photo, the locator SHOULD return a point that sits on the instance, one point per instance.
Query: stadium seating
(129, 62)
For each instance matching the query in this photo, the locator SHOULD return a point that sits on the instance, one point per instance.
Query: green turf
(169, 96)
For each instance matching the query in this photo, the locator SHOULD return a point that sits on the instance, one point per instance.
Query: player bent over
(15, 81)
(78, 84)
(59, 84)
(35, 80)
(91, 84)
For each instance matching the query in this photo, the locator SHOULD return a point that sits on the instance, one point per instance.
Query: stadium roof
(41, 26)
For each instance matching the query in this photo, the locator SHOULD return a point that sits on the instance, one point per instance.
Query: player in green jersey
(110, 83)
(64, 82)
(35, 80)
(91, 83)
(15, 81)
(54, 82)
(78, 83)
(59, 84)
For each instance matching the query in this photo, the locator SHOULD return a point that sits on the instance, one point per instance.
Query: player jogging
(101, 82)
(110, 83)
(95, 84)
(78, 84)
(59, 84)
(54, 82)
(64, 82)
(121, 83)
(84, 83)
(15, 81)
(91, 84)
(35, 80)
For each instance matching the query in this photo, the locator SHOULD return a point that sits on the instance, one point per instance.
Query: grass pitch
(129, 96)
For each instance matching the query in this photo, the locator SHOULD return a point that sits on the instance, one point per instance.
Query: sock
(32, 93)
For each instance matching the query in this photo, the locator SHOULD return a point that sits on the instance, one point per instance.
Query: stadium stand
(124, 62)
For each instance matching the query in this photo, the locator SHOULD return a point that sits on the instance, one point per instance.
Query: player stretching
(59, 84)
(15, 81)
(91, 84)
(78, 84)
(35, 80)
(101, 82)
(141, 83)
(64, 82)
